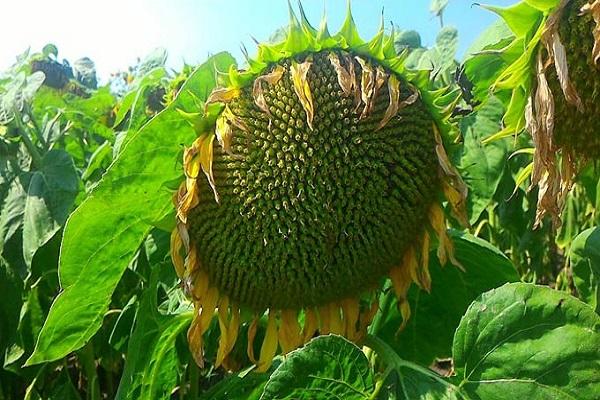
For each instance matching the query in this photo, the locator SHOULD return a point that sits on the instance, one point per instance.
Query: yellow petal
(191, 261)
(453, 185)
(200, 324)
(325, 320)
(289, 332)
(195, 340)
(269, 346)
(200, 287)
(424, 277)
(351, 310)
(251, 335)
(221, 95)
(401, 282)
(257, 89)
(337, 325)
(206, 159)
(299, 78)
(365, 319)
(223, 331)
(224, 133)
(393, 107)
(176, 247)
(311, 324)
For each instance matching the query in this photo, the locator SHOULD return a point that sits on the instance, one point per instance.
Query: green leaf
(585, 264)
(481, 165)
(409, 381)
(50, 197)
(11, 288)
(105, 231)
(13, 207)
(523, 341)
(327, 367)
(246, 385)
(435, 316)
(152, 366)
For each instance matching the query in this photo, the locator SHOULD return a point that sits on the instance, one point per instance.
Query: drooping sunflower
(550, 78)
(317, 171)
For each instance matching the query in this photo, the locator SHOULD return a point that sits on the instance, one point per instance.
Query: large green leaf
(240, 386)
(482, 165)
(152, 367)
(11, 288)
(50, 197)
(328, 367)
(103, 234)
(435, 316)
(585, 264)
(523, 341)
(409, 381)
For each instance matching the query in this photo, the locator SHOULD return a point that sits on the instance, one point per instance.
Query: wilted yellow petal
(224, 133)
(351, 309)
(257, 89)
(221, 95)
(195, 340)
(176, 247)
(345, 80)
(311, 324)
(299, 78)
(365, 319)
(200, 286)
(251, 335)
(223, 331)
(206, 160)
(367, 85)
(394, 106)
(401, 281)
(335, 319)
(424, 277)
(594, 9)
(454, 187)
(200, 324)
(191, 262)
(325, 320)
(228, 327)
(445, 249)
(289, 331)
(269, 346)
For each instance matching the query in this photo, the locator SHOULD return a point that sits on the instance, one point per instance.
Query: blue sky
(114, 33)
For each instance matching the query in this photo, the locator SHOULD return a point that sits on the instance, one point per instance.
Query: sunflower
(316, 172)
(551, 82)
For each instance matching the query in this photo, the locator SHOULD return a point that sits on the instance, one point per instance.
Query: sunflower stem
(194, 376)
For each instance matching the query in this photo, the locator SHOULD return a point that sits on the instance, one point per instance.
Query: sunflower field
(335, 217)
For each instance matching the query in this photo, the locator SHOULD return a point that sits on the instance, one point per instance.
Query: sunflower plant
(330, 218)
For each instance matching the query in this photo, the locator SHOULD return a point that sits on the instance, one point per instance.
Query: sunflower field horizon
(355, 205)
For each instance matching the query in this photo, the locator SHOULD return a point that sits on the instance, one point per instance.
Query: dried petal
(257, 89)
(345, 80)
(299, 78)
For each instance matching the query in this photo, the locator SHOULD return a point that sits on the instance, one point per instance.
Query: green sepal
(348, 35)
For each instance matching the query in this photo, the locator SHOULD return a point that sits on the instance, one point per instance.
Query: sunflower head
(317, 172)
(551, 77)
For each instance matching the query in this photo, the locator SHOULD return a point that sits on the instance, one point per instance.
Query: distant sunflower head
(317, 172)
(551, 75)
